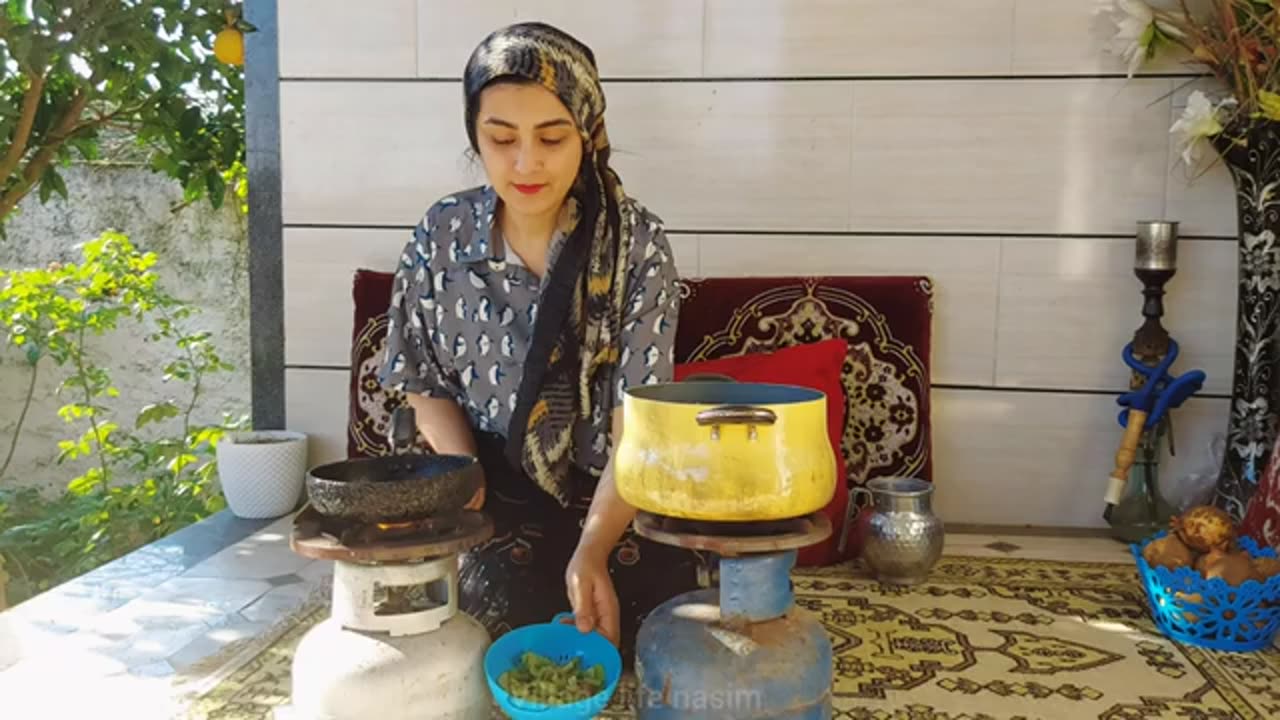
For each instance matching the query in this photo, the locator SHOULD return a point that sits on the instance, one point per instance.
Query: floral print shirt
(462, 316)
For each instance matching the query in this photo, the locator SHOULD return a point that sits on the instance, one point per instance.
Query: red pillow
(817, 366)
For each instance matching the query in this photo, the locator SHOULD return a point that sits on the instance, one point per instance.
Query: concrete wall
(203, 259)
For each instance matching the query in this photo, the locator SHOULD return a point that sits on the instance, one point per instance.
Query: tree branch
(105, 120)
(30, 103)
(45, 156)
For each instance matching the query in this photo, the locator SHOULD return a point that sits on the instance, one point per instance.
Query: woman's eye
(503, 141)
(552, 141)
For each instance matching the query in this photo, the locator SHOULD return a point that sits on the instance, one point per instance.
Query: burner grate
(735, 538)
(319, 536)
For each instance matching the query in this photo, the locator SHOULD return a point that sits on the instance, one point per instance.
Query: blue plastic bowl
(1210, 613)
(560, 643)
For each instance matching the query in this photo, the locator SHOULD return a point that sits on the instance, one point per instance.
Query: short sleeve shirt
(462, 315)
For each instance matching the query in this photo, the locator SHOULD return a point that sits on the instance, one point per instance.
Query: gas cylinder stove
(742, 650)
(395, 645)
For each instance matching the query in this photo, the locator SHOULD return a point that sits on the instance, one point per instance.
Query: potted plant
(1238, 43)
(262, 472)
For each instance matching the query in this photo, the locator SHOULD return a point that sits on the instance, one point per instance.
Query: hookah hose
(1145, 407)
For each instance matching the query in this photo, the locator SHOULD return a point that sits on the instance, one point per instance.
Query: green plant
(74, 70)
(141, 481)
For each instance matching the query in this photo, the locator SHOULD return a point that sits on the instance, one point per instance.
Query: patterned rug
(984, 639)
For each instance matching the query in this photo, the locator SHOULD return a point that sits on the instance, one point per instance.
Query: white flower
(1136, 28)
(1199, 121)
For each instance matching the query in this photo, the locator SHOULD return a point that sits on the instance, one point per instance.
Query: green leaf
(177, 464)
(51, 177)
(68, 450)
(87, 483)
(189, 123)
(216, 186)
(86, 146)
(16, 11)
(157, 412)
(194, 186)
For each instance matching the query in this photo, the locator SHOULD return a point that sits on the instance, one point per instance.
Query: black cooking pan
(396, 487)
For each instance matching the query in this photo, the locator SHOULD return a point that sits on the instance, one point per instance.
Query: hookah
(1135, 511)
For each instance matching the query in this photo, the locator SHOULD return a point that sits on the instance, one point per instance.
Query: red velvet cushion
(1262, 517)
(817, 366)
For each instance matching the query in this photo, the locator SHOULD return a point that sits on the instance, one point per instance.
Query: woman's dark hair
(549, 62)
(595, 166)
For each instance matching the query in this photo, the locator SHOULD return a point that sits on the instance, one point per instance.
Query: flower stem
(88, 403)
(22, 418)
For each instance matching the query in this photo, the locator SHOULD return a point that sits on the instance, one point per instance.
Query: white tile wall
(1044, 156)
(330, 38)
(1014, 458)
(993, 145)
(1053, 37)
(768, 156)
(1068, 307)
(986, 156)
(319, 264)
(356, 153)
(716, 38)
(630, 38)
(1201, 198)
(785, 38)
(316, 404)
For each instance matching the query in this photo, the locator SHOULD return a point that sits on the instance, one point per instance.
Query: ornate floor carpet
(985, 638)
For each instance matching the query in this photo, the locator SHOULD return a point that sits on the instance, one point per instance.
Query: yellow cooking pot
(725, 451)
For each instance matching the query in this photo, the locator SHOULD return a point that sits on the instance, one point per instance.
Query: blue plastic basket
(1210, 613)
(560, 643)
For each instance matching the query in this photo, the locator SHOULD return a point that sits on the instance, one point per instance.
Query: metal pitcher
(903, 537)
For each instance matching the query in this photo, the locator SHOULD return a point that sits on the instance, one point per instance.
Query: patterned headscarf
(580, 315)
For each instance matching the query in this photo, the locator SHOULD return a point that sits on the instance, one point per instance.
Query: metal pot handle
(851, 514)
(748, 415)
(737, 415)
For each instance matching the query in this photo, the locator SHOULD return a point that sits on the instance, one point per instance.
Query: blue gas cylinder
(742, 651)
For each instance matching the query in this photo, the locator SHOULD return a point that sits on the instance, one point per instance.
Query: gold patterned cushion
(885, 320)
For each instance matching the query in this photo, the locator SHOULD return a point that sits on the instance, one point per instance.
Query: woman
(522, 310)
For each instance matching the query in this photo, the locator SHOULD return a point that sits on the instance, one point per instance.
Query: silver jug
(903, 537)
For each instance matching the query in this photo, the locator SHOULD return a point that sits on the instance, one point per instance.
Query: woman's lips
(528, 189)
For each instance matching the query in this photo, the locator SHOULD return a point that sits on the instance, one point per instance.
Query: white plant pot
(262, 472)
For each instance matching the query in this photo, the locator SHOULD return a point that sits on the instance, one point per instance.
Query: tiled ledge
(137, 630)
(165, 620)
(126, 578)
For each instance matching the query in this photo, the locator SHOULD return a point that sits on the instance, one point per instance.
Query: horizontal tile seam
(936, 386)
(1013, 77)
(818, 233)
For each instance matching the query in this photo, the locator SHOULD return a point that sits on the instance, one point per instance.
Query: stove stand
(395, 646)
(743, 650)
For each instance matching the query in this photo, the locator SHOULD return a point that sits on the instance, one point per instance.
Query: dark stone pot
(394, 488)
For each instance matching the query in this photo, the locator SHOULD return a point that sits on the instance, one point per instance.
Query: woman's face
(529, 145)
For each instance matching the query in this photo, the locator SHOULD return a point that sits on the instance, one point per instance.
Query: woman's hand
(591, 593)
(444, 426)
